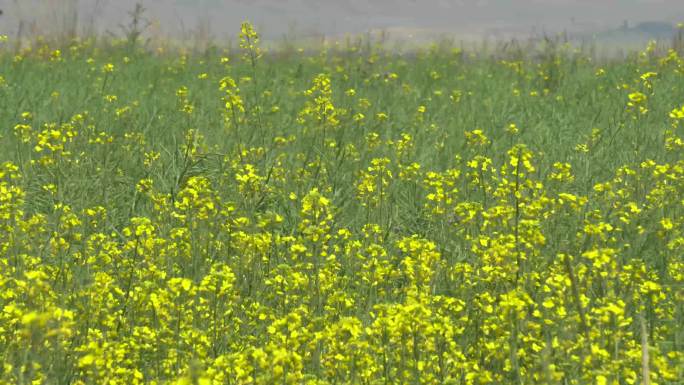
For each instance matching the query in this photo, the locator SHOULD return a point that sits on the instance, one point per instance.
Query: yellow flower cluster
(355, 238)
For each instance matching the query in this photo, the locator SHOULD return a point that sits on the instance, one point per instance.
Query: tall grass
(350, 215)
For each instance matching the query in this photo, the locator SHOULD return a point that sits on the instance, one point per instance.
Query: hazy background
(402, 19)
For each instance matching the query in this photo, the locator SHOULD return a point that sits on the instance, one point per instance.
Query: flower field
(345, 215)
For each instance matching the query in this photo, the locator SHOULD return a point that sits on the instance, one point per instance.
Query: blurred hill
(403, 19)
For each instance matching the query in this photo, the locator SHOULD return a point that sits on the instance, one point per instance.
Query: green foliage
(350, 216)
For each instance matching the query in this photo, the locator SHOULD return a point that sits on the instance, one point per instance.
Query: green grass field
(348, 215)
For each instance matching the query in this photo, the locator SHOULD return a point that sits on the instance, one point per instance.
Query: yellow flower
(108, 68)
(601, 380)
(666, 223)
(637, 98)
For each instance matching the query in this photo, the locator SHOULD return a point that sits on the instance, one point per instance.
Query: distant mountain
(654, 29)
(638, 34)
(274, 18)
